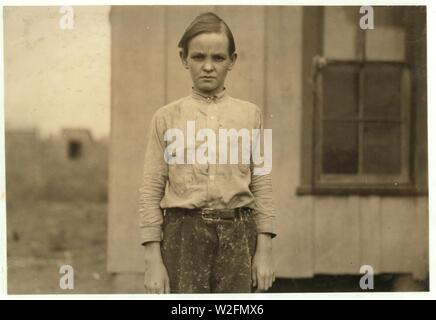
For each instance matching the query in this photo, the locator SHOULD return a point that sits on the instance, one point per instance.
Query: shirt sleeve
(261, 181)
(154, 178)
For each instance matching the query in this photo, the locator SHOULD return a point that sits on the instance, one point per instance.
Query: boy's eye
(197, 57)
(219, 58)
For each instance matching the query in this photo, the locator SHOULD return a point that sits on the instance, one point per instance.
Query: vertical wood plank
(283, 108)
(137, 88)
(337, 235)
(340, 27)
(282, 114)
(398, 223)
(416, 40)
(294, 243)
(246, 80)
(370, 232)
(421, 259)
(387, 40)
(311, 46)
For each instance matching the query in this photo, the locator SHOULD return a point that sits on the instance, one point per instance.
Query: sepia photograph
(163, 149)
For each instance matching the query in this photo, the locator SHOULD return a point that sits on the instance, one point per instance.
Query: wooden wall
(317, 235)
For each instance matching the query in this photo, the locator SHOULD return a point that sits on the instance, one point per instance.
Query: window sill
(360, 191)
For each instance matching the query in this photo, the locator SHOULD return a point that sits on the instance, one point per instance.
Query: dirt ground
(43, 236)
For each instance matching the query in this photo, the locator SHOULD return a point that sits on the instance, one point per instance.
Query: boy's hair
(206, 23)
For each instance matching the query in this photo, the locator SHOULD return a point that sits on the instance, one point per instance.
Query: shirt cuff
(266, 227)
(151, 234)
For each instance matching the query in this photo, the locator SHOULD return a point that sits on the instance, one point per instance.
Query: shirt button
(212, 117)
(212, 177)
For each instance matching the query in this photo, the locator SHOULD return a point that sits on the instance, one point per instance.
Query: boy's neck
(206, 94)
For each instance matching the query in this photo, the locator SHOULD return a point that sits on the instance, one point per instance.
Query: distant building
(70, 166)
(24, 172)
(78, 143)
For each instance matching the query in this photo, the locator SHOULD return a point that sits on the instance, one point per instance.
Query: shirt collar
(200, 96)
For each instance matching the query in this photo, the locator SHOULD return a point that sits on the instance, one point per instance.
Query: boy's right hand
(156, 278)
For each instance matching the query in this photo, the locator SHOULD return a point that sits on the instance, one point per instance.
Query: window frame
(404, 120)
(413, 182)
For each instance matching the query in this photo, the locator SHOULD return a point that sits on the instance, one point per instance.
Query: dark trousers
(208, 256)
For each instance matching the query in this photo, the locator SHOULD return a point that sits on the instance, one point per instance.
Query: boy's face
(208, 61)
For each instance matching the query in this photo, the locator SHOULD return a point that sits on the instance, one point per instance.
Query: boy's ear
(183, 59)
(233, 61)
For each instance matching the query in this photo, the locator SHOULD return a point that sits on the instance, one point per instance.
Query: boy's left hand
(263, 265)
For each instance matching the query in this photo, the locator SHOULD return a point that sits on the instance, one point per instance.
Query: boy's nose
(208, 66)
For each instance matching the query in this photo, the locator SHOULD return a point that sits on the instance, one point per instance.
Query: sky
(57, 77)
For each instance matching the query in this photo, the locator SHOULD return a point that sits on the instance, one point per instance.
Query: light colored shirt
(218, 186)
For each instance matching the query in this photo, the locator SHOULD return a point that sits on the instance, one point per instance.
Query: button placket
(213, 125)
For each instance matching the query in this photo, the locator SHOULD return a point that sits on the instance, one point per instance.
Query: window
(362, 122)
(360, 131)
(74, 149)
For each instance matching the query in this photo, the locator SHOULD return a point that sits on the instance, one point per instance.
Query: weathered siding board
(337, 236)
(137, 91)
(246, 80)
(398, 223)
(420, 268)
(294, 249)
(340, 27)
(387, 40)
(282, 113)
(370, 232)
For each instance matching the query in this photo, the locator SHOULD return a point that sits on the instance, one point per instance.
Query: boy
(217, 218)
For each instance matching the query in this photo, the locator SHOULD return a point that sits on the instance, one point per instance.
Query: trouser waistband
(213, 214)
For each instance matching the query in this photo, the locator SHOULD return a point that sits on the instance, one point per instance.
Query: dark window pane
(339, 148)
(74, 149)
(382, 148)
(382, 95)
(340, 88)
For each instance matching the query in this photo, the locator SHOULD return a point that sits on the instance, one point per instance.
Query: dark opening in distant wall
(74, 149)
